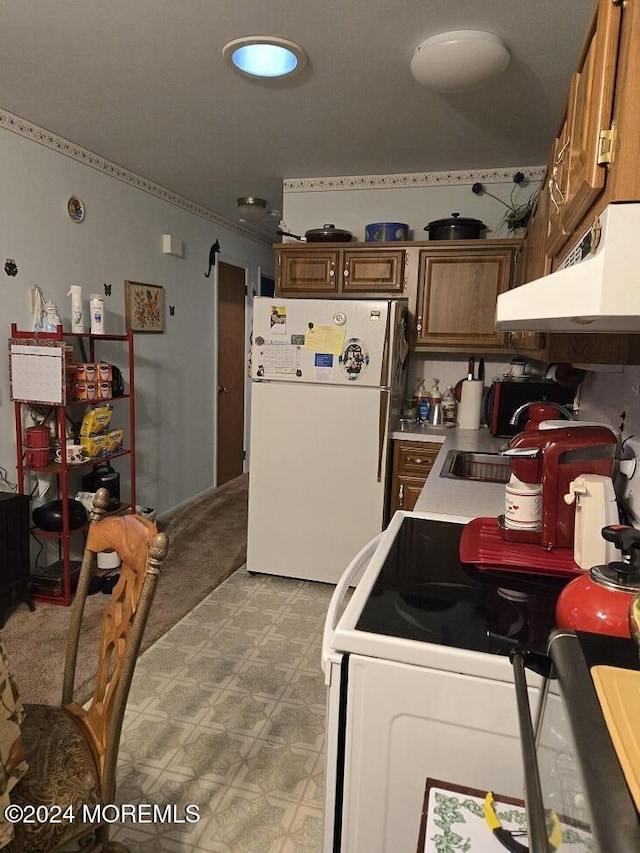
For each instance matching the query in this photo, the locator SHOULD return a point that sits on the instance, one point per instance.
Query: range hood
(597, 288)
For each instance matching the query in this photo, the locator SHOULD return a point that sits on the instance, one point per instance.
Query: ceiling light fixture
(265, 57)
(458, 61)
(251, 208)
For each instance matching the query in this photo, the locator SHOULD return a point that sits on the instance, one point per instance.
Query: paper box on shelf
(81, 390)
(94, 445)
(114, 440)
(96, 420)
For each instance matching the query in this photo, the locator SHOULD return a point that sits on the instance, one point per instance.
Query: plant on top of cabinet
(518, 213)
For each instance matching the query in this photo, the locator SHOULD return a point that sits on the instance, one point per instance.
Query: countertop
(466, 499)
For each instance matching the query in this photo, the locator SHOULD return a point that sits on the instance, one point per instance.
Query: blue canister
(386, 232)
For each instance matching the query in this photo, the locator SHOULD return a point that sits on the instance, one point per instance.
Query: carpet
(207, 543)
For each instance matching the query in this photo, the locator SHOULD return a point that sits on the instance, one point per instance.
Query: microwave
(506, 395)
(576, 787)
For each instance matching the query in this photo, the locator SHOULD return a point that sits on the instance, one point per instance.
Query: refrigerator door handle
(385, 395)
(333, 613)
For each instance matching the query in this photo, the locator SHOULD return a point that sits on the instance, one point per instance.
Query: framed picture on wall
(143, 307)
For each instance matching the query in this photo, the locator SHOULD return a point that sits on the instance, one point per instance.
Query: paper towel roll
(470, 404)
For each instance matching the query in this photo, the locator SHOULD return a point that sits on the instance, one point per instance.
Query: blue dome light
(260, 56)
(265, 60)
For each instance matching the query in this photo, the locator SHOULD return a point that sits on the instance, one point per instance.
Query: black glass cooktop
(424, 593)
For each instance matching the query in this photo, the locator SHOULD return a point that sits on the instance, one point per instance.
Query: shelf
(100, 402)
(59, 588)
(57, 467)
(105, 337)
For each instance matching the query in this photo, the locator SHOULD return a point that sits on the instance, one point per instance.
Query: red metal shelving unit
(57, 415)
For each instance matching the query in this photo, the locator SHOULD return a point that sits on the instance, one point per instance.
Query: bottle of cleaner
(96, 305)
(77, 317)
(422, 403)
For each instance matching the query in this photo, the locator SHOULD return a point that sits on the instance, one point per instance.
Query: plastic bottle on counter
(449, 406)
(422, 403)
(435, 417)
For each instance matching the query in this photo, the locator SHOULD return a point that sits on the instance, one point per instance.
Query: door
(320, 341)
(231, 377)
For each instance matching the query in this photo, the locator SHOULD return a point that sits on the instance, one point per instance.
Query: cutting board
(619, 694)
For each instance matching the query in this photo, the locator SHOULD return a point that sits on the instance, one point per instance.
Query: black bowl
(49, 516)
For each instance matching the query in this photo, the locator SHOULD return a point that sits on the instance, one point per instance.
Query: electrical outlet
(624, 421)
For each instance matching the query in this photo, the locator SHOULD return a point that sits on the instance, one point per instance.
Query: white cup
(517, 367)
(522, 504)
(75, 454)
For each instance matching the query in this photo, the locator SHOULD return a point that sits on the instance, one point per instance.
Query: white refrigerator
(328, 378)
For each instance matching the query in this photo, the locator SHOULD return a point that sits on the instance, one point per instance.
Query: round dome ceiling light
(266, 57)
(458, 61)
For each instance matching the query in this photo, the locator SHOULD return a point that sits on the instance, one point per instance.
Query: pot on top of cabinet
(326, 234)
(455, 228)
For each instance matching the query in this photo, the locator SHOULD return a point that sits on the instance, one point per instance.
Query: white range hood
(596, 290)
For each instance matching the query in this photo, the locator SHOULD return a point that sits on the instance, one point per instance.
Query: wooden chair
(72, 750)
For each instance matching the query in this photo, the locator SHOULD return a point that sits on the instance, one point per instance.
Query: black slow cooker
(455, 228)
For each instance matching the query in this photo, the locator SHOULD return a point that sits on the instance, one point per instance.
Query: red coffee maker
(553, 458)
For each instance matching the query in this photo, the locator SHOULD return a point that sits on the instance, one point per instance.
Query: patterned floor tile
(227, 712)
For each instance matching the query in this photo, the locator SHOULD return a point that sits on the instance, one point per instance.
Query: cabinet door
(406, 493)
(590, 113)
(586, 146)
(373, 271)
(457, 293)
(304, 271)
(412, 462)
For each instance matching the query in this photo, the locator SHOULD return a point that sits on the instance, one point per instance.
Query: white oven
(420, 685)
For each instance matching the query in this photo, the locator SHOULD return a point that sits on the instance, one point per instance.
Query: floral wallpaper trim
(18, 125)
(412, 179)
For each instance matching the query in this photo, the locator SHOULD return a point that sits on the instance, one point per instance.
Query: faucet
(562, 409)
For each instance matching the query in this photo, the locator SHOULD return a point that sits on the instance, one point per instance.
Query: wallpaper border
(411, 179)
(44, 137)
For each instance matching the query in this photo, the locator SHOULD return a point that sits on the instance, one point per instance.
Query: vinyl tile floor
(226, 712)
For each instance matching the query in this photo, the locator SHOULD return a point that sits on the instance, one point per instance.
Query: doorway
(231, 376)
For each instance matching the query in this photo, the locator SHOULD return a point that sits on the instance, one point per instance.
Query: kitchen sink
(469, 465)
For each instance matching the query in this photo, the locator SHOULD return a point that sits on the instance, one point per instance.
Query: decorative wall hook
(213, 251)
(10, 267)
(107, 289)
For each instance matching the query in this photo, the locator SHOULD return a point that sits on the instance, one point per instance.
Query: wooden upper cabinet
(373, 272)
(301, 271)
(357, 271)
(457, 291)
(585, 142)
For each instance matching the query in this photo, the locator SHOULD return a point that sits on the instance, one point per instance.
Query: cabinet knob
(419, 324)
(332, 272)
(401, 496)
(222, 389)
(416, 460)
(346, 272)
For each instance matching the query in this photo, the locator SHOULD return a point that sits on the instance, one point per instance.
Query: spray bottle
(77, 317)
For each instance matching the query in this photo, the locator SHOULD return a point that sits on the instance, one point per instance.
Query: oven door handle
(534, 804)
(333, 613)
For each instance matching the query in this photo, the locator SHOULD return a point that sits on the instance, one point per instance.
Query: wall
(353, 202)
(121, 239)
(417, 199)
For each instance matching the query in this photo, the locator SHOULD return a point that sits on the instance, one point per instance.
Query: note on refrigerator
(325, 339)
